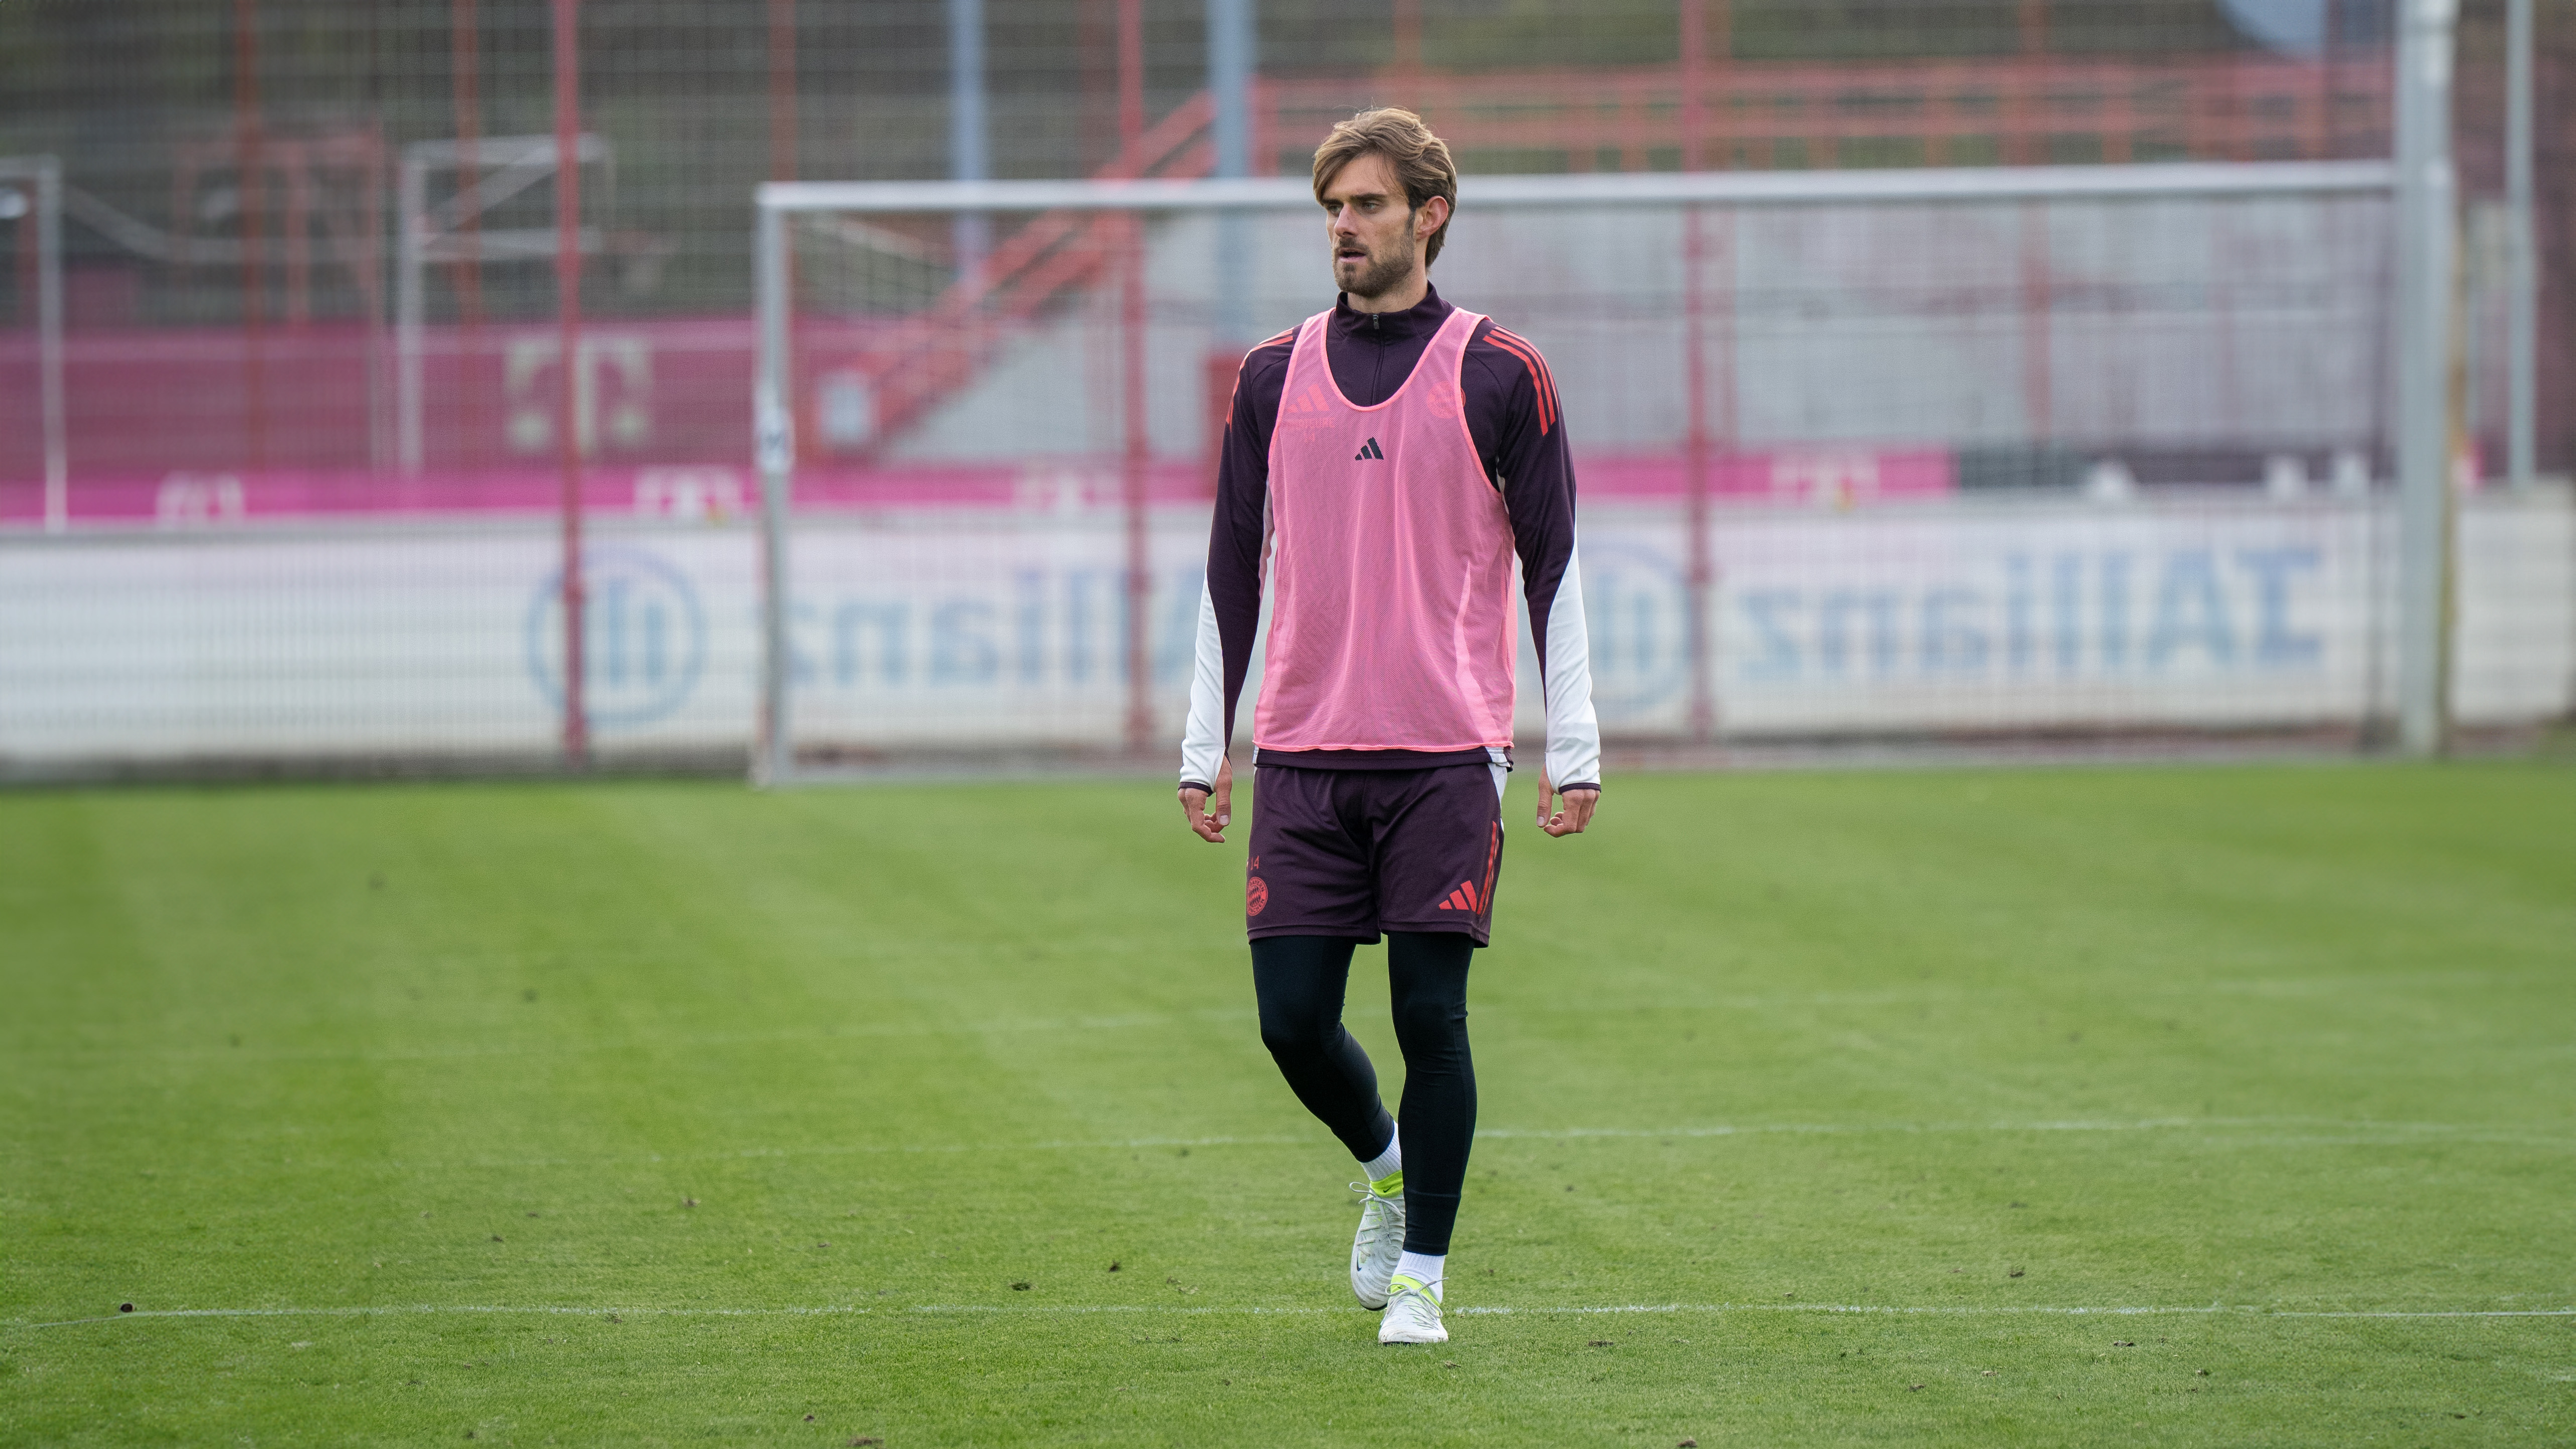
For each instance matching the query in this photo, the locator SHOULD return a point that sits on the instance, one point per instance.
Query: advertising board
(1006, 627)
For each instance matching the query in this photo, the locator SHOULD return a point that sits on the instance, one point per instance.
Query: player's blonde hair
(1421, 161)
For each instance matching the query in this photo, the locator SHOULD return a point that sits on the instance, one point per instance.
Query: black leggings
(1300, 981)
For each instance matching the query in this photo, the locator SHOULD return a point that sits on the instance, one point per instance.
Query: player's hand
(1570, 820)
(1208, 814)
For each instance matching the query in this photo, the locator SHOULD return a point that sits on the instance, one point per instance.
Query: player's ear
(1433, 216)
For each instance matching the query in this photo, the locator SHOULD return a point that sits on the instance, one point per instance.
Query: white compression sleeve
(1202, 745)
(1573, 731)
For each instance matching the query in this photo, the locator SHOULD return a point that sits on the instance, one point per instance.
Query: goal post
(31, 192)
(1923, 341)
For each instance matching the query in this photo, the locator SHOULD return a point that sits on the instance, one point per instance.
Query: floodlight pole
(773, 755)
(2426, 242)
(2522, 274)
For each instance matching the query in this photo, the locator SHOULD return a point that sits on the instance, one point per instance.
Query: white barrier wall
(990, 628)
(1974, 616)
(423, 641)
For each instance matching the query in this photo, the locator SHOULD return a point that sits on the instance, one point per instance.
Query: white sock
(1386, 1164)
(1423, 1268)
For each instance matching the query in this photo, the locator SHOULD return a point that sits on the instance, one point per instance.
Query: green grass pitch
(2224, 1106)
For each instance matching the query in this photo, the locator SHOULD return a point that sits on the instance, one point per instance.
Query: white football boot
(1381, 1238)
(1412, 1312)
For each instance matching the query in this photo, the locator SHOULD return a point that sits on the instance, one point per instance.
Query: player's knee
(1430, 1025)
(1294, 1033)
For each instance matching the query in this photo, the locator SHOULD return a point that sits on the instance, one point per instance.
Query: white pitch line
(391, 1310)
(2144, 1124)
(2219, 1129)
(2245, 1310)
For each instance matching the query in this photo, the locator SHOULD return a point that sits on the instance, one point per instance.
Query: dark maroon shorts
(1351, 853)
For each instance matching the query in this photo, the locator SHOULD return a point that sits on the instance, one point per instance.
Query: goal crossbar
(1646, 188)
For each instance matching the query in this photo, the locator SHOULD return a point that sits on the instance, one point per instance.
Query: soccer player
(1383, 462)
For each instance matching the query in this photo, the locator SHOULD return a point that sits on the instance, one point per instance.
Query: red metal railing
(1951, 112)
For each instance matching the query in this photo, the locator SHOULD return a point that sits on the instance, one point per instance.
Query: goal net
(1860, 453)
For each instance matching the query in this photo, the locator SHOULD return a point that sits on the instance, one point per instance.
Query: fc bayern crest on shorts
(1256, 892)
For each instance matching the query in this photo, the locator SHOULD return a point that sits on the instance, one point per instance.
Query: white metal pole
(2426, 237)
(774, 444)
(1230, 45)
(2522, 274)
(411, 221)
(371, 245)
(970, 144)
(49, 340)
(1592, 190)
(1230, 42)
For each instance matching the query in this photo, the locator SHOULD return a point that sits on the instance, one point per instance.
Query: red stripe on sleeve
(1541, 379)
(1240, 368)
(1545, 371)
(1538, 376)
(1547, 375)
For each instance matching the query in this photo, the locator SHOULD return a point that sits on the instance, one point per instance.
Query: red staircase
(935, 353)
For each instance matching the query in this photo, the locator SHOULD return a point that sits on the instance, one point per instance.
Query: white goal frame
(44, 176)
(488, 172)
(774, 442)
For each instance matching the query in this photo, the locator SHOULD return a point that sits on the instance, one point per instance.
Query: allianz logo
(644, 637)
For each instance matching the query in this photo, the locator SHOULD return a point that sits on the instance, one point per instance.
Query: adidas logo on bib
(1367, 451)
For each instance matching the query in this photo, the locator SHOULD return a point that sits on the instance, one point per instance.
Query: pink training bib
(1391, 608)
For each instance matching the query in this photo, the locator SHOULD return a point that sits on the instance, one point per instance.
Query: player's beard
(1382, 272)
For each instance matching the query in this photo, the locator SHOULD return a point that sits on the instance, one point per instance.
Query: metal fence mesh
(307, 278)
